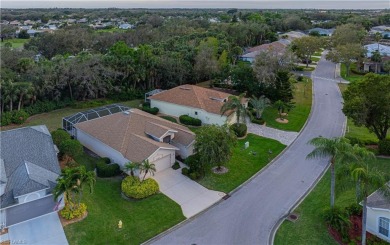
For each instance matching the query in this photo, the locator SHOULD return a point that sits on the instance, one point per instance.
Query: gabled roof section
(378, 200)
(128, 133)
(194, 96)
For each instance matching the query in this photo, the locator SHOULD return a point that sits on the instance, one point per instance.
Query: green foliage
(91, 103)
(169, 118)
(59, 136)
(153, 110)
(71, 147)
(47, 106)
(105, 170)
(239, 129)
(73, 211)
(196, 167)
(176, 165)
(6, 118)
(338, 220)
(260, 121)
(134, 188)
(384, 147)
(19, 117)
(23, 34)
(126, 94)
(185, 171)
(187, 120)
(354, 209)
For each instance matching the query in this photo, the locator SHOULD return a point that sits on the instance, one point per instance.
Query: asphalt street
(250, 214)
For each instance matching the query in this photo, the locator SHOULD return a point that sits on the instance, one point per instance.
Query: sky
(285, 4)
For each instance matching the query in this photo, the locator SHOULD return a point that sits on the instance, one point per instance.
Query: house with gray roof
(378, 215)
(29, 169)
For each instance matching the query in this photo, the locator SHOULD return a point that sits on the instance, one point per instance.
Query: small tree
(59, 136)
(259, 104)
(23, 34)
(235, 105)
(147, 167)
(280, 106)
(386, 66)
(132, 166)
(305, 47)
(214, 144)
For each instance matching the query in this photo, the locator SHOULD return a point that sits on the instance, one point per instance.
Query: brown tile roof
(127, 133)
(194, 96)
(274, 46)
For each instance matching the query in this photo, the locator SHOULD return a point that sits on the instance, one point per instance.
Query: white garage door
(162, 163)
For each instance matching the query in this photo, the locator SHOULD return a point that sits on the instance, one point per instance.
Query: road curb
(300, 200)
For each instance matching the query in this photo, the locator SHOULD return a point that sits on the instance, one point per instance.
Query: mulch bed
(66, 222)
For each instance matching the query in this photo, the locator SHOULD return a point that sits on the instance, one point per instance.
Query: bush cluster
(338, 219)
(239, 129)
(105, 169)
(384, 147)
(127, 94)
(259, 121)
(46, 106)
(71, 147)
(196, 168)
(150, 110)
(357, 141)
(59, 136)
(91, 103)
(17, 117)
(72, 211)
(176, 165)
(132, 187)
(187, 120)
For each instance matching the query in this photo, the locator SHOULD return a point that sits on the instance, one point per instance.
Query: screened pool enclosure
(69, 121)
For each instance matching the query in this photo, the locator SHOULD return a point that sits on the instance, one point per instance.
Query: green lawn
(315, 59)
(243, 164)
(53, 119)
(142, 220)
(309, 228)
(169, 118)
(317, 54)
(352, 76)
(298, 115)
(16, 42)
(307, 68)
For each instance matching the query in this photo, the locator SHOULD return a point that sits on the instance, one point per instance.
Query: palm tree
(280, 105)
(259, 104)
(132, 166)
(338, 150)
(147, 167)
(234, 105)
(368, 180)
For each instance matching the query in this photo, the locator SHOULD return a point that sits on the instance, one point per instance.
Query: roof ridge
(127, 129)
(197, 96)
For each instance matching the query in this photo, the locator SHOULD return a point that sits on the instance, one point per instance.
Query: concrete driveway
(191, 196)
(44, 230)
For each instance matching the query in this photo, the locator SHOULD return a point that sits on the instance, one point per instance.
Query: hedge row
(105, 170)
(153, 110)
(132, 187)
(17, 117)
(187, 120)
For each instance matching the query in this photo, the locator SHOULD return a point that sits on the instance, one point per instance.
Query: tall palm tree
(132, 166)
(338, 150)
(234, 105)
(147, 167)
(368, 180)
(259, 104)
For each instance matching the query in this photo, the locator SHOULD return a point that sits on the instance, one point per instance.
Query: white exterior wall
(100, 148)
(161, 153)
(178, 110)
(373, 216)
(31, 196)
(184, 151)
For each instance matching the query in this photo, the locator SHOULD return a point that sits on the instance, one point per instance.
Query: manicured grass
(310, 228)
(317, 54)
(243, 163)
(172, 119)
(315, 59)
(16, 42)
(352, 76)
(298, 115)
(307, 68)
(53, 119)
(142, 219)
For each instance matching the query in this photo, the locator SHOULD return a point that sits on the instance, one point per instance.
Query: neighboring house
(28, 172)
(126, 26)
(292, 35)
(371, 66)
(202, 103)
(378, 216)
(322, 31)
(373, 47)
(134, 136)
(277, 46)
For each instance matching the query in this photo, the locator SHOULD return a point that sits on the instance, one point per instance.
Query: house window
(196, 113)
(384, 224)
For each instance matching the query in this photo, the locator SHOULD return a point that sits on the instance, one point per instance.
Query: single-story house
(198, 102)
(378, 215)
(134, 136)
(322, 31)
(277, 46)
(371, 66)
(126, 26)
(373, 47)
(28, 173)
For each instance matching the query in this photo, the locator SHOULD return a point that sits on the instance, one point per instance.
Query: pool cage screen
(69, 121)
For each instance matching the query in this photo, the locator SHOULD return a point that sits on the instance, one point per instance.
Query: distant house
(322, 31)
(134, 136)
(28, 172)
(15, 23)
(292, 35)
(126, 26)
(202, 103)
(378, 216)
(82, 21)
(383, 49)
(277, 46)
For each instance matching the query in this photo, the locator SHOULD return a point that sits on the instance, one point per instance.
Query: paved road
(250, 214)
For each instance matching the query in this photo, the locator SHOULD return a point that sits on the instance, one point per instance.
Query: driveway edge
(300, 200)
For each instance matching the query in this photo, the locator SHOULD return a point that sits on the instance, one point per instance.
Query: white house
(134, 136)
(28, 172)
(378, 216)
(201, 103)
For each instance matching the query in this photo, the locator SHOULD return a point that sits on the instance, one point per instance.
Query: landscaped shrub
(106, 160)
(132, 187)
(354, 209)
(195, 165)
(105, 170)
(384, 147)
(19, 117)
(259, 121)
(6, 118)
(338, 220)
(185, 171)
(59, 136)
(187, 120)
(153, 110)
(355, 141)
(176, 165)
(126, 94)
(72, 211)
(239, 129)
(46, 106)
(71, 148)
